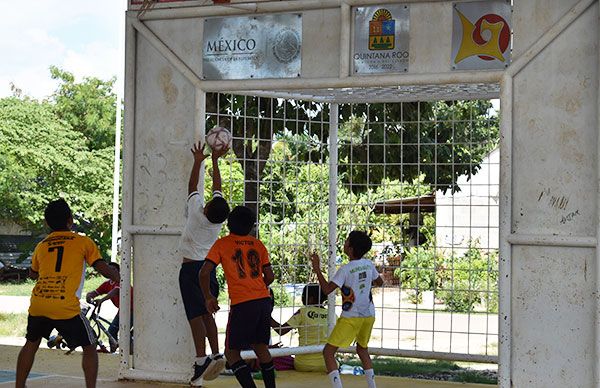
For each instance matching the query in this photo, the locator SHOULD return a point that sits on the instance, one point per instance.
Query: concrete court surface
(56, 369)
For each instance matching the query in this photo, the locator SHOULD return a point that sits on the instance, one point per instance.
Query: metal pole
(117, 155)
(552, 240)
(504, 278)
(597, 312)
(333, 176)
(237, 8)
(127, 214)
(355, 81)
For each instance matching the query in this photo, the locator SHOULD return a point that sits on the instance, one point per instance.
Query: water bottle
(351, 370)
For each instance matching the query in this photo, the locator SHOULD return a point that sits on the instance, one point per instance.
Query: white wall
(472, 213)
(554, 154)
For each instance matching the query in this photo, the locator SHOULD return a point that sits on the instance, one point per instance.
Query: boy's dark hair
(57, 214)
(360, 242)
(241, 220)
(115, 265)
(217, 210)
(313, 295)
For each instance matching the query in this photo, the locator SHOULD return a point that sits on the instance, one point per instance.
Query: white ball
(218, 138)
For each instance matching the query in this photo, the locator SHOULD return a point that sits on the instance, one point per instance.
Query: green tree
(42, 159)
(442, 140)
(87, 106)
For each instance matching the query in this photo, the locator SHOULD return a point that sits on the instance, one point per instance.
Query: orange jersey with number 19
(59, 261)
(243, 259)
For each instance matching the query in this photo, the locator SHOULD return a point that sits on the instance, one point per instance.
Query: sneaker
(215, 367)
(199, 371)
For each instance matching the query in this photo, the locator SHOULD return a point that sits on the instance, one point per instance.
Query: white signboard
(381, 39)
(267, 46)
(481, 35)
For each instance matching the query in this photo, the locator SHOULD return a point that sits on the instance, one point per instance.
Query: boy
(311, 323)
(358, 312)
(202, 227)
(248, 272)
(110, 290)
(58, 264)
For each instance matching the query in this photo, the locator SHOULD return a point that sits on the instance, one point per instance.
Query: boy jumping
(248, 272)
(58, 264)
(202, 227)
(358, 312)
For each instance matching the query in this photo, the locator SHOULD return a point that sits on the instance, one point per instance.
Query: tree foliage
(87, 106)
(42, 159)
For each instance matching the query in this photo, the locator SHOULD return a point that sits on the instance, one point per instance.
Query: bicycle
(97, 323)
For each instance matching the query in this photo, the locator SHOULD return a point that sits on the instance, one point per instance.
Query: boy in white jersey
(202, 227)
(355, 280)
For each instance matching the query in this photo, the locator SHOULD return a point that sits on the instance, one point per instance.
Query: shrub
(469, 280)
(418, 270)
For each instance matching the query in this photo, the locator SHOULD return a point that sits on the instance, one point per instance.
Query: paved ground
(53, 368)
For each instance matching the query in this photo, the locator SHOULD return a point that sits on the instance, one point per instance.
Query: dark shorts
(76, 331)
(249, 323)
(191, 293)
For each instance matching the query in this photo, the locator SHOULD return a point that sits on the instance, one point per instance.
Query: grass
(24, 288)
(395, 366)
(13, 325)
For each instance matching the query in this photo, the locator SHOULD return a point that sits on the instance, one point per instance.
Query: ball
(218, 138)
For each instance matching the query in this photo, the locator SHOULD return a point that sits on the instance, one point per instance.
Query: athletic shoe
(215, 367)
(199, 371)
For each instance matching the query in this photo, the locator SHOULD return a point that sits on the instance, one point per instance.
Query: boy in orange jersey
(58, 264)
(248, 272)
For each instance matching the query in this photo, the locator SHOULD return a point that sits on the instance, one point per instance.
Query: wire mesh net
(420, 177)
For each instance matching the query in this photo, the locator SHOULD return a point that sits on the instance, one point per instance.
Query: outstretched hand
(315, 261)
(198, 152)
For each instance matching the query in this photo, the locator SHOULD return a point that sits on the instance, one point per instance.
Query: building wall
(472, 213)
(554, 175)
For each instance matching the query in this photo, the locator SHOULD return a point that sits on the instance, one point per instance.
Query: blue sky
(81, 36)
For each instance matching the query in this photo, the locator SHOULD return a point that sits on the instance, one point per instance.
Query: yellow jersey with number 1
(59, 261)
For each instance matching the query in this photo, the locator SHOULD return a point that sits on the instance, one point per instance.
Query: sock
(370, 375)
(242, 374)
(334, 377)
(200, 360)
(268, 373)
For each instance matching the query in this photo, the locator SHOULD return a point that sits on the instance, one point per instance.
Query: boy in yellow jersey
(355, 324)
(58, 264)
(311, 323)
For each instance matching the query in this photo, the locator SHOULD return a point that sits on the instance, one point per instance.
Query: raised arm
(216, 176)
(198, 152)
(326, 287)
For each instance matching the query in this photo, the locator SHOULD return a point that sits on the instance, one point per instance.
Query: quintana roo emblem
(382, 31)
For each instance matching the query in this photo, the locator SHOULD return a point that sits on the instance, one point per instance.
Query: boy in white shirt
(202, 227)
(355, 280)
